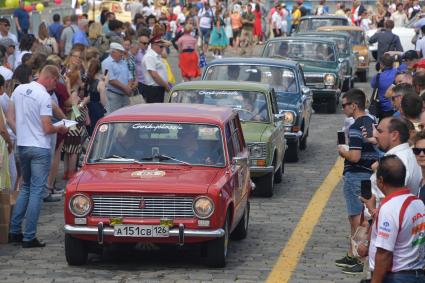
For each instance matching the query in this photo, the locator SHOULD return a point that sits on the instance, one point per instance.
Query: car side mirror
(278, 117)
(305, 90)
(341, 60)
(240, 160)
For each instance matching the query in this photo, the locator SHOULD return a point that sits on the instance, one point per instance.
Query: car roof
(324, 17)
(301, 38)
(318, 33)
(254, 61)
(355, 28)
(172, 112)
(222, 85)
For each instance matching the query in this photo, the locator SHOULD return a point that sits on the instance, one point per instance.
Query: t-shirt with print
(205, 18)
(356, 141)
(31, 102)
(248, 17)
(405, 242)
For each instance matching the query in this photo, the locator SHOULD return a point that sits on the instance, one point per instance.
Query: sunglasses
(418, 150)
(346, 104)
(144, 43)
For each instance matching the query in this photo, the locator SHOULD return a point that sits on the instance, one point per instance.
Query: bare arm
(5, 134)
(350, 155)
(18, 26)
(48, 127)
(383, 262)
(10, 116)
(102, 91)
(57, 112)
(117, 84)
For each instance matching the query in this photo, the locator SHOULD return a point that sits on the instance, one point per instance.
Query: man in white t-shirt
(5, 30)
(155, 72)
(277, 21)
(29, 116)
(396, 249)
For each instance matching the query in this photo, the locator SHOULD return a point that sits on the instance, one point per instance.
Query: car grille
(313, 78)
(138, 206)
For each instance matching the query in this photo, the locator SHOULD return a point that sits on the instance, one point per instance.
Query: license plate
(141, 231)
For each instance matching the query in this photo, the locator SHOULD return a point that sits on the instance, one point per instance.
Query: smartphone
(366, 189)
(341, 137)
(369, 130)
(106, 72)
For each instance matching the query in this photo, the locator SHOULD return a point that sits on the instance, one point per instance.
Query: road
(272, 222)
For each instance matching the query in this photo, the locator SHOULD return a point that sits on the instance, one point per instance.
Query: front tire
(76, 251)
(241, 231)
(217, 249)
(278, 175)
(265, 185)
(303, 143)
(292, 152)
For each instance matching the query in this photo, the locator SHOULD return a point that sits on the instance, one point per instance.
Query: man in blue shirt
(117, 88)
(55, 29)
(22, 20)
(386, 79)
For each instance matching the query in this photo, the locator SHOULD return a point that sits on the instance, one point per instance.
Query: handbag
(136, 98)
(374, 108)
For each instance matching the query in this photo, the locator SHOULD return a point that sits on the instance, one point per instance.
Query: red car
(161, 173)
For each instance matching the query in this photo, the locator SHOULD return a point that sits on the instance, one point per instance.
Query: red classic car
(161, 173)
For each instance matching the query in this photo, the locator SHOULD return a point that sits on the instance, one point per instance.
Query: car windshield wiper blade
(117, 158)
(162, 157)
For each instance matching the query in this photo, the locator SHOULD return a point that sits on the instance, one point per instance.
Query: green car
(345, 51)
(261, 123)
(319, 60)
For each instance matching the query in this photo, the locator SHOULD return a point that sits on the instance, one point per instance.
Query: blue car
(294, 98)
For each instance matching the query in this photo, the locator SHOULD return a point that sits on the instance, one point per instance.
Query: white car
(405, 33)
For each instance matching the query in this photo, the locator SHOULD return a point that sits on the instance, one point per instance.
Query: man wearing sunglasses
(5, 31)
(143, 47)
(419, 151)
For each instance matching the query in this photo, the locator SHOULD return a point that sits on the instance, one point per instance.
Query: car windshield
(313, 24)
(300, 50)
(251, 105)
(342, 45)
(280, 78)
(158, 142)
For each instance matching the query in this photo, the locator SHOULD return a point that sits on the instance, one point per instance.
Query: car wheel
(217, 249)
(303, 143)
(346, 85)
(332, 105)
(265, 185)
(292, 152)
(362, 76)
(76, 251)
(241, 231)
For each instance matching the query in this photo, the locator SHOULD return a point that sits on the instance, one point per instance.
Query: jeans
(352, 186)
(35, 165)
(116, 101)
(400, 277)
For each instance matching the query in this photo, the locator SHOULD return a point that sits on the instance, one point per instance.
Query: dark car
(312, 23)
(294, 98)
(319, 60)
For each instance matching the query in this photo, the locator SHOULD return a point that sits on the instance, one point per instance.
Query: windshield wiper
(114, 157)
(162, 157)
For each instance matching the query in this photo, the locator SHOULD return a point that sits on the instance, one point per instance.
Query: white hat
(116, 46)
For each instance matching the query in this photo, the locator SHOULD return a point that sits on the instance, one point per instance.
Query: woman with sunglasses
(419, 151)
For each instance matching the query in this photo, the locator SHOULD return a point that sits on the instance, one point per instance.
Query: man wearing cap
(80, 35)
(155, 72)
(117, 89)
(5, 31)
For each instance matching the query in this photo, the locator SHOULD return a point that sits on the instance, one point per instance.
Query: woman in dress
(96, 92)
(258, 30)
(188, 58)
(218, 40)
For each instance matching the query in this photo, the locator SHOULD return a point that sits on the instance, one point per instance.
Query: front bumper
(324, 95)
(180, 232)
(290, 136)
(263, 170)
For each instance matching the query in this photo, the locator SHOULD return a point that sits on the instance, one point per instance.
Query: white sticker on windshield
(152, 126)
(218, 92)
(103, 128)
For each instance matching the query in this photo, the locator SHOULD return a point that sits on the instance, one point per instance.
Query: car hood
(287, 101)
(146, 178)
(255, 132)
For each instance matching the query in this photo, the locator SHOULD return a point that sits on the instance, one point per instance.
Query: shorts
(351, 188)
(236, 32)
(205, 35)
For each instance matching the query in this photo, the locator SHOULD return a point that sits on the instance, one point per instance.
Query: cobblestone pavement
(271, 224)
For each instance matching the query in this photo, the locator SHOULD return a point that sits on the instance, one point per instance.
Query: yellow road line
(290, 255)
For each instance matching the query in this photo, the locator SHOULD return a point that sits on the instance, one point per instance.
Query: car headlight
(288, 118)
(361, 58)
(329, 79)
(203, 207)
(256, 150)
(80, 205)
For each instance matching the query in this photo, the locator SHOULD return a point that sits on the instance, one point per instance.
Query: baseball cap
(420, 64)
(410, 55)
(116, 46)
(7, 42)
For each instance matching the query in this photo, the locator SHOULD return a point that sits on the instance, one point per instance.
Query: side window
(235, 137)
(239, 134)
(302, 79)
(229, 142)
